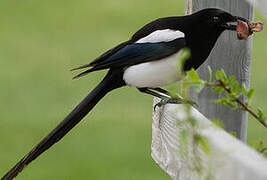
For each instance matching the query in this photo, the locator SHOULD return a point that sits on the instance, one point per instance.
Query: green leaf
(233, 133)
(221, 101)
(250, 93)
(192, 74)
(261, 115)
(235, 87)
(200, 87)
(230, 103)
(218, 123)
(244, 89)
(233, 96)
(248, 103)
(184, 135)
(203, 142)
(231, 79)
(216, 101)
(210, 73)
(219, 89)
(220, 75)
(184, 140)
(193, 121)
(226, 102)
(185, 54)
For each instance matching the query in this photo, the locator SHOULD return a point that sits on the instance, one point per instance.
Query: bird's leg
(150, 92)
(174, 101)
(163, 91)
(171, 100)
(165, 97)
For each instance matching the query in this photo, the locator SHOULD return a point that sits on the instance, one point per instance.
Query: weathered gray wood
(229, 159)
(234, 57)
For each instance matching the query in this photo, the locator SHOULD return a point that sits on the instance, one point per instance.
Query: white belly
(155, 73)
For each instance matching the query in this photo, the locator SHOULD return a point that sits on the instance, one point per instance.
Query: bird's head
(214, 21)
(205, 27)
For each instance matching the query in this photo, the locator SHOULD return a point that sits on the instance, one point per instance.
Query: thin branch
(221, 84)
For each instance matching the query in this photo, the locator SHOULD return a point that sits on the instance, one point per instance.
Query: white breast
(165, 35)
(155, 73)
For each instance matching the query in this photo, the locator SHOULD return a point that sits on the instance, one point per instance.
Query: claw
(161, 103)
(174, 101)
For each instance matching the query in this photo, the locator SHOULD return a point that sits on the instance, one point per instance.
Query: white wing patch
(154, 74)
(165, 35)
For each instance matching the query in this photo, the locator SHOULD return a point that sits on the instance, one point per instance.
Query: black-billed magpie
(147, 61)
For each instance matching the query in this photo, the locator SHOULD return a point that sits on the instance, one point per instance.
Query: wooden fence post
(234, 57)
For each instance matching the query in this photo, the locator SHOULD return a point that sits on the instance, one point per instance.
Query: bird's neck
(201, 47)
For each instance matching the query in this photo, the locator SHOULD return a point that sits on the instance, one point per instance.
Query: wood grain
(228, 159)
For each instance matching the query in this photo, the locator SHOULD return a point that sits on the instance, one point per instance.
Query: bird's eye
(216, 19)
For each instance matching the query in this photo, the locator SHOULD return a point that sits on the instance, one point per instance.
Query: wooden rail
(228, 158)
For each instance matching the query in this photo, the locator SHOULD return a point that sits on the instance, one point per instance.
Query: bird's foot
(165, 101)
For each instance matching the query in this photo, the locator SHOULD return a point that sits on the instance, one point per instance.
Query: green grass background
(39, 42)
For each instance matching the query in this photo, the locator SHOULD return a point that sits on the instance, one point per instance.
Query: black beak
(241, 19)
(232, 27)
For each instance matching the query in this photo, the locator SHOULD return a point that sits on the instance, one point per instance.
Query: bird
(147, 61)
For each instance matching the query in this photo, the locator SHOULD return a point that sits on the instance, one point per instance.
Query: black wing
(104, 56)
(137, 53)
(158, 24)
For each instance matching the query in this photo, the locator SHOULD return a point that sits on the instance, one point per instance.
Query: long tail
(109, 83)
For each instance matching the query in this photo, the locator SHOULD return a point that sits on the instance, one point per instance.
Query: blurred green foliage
(39, 42)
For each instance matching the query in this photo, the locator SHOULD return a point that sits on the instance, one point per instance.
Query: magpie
(147, 61)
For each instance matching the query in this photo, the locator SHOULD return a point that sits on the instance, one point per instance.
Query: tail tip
(81, 67)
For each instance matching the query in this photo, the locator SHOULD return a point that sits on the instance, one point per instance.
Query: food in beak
(255, 26)
(244, 30)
